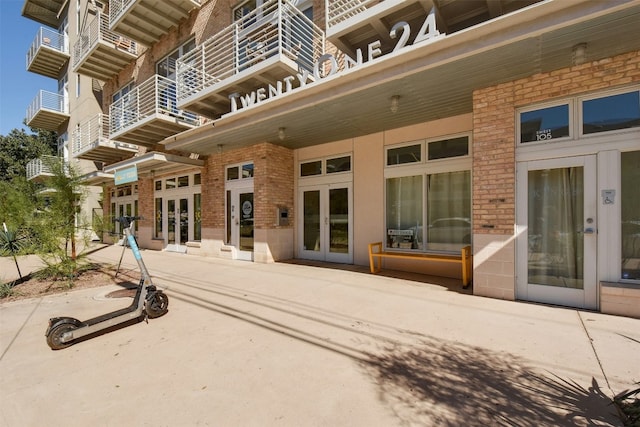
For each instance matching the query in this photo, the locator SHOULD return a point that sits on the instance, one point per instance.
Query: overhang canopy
(96, 178)
(156, 163)
(433, 80)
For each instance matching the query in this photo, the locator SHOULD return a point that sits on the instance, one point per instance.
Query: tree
(18, 148)
(58, 224)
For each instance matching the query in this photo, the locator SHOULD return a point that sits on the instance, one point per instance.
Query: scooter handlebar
(126, 220)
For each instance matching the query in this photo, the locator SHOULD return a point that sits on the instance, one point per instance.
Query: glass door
(325, 231)
(557, 231)
(177, 224)
(240, 221)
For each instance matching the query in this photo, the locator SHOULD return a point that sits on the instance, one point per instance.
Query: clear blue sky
(18, 87)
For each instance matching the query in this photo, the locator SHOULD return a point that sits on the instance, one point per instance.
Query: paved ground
(282, 344)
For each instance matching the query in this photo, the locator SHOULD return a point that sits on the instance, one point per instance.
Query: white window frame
(424, 168)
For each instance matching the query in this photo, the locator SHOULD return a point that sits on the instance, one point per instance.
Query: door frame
(587, 297)
(232, 224)
(324, 254)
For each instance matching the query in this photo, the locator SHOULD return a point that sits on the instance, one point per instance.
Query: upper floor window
(166, 67)
(122, 92)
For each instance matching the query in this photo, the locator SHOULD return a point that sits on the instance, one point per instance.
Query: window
(428, 203)
(197, 179)
(77, 85)
(609, 113)
(311, 168)
(246, 8)
(166, 67)
(158, 185)
(545, 124)
(614, 112)
(197, 216)
(630, 212)
(183, 181)
(325, 166)
(243, 171)
(157, 234)
(403, 155)
(339, 164)
(447, 148)
(404, 212)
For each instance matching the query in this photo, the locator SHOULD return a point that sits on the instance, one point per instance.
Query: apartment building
(278, 129)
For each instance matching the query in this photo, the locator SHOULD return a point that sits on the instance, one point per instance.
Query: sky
(18, 87)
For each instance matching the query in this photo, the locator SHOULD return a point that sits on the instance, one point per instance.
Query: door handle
(589, 230)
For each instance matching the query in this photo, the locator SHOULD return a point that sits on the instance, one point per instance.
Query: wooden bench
(463, 258)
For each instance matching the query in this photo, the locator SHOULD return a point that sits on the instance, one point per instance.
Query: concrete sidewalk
(281, 344)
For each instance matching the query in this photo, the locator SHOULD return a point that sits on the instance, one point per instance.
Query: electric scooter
(149, 302)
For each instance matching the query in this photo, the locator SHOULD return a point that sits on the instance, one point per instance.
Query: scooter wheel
(157, 305)
(54, 337)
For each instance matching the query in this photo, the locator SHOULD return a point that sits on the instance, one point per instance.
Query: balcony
(46, 12)
(48, 53)
(147, 20)
(353, 24)
(100, 53)
(41, 168)
(47, 111)
(149, 113)
(91, 142)
(273, 42)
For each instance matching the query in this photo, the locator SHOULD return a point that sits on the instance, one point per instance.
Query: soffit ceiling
(432, 83)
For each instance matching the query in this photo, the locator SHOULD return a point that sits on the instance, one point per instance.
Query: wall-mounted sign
(125, 176)
(327, 64)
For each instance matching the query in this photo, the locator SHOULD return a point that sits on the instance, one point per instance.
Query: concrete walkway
(283, 344)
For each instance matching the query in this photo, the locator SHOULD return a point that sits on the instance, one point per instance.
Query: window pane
(630, 206)
(158, 185)
(398, 156)
(158, 218)
(197, 179)
(454, 147)
(611, 113)
(232, 173)
(170, 183)
(247, 171)
(340, 164)
(449, 208)
(544, 124)
(183, 181)
(197, 217)
(404, 212)
(311, 168)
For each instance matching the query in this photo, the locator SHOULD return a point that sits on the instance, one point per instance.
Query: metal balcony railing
(276, 28)
(98, 30)
(48, 38)
(92, 133)
(338, 11)
(47, 101)
(156, 95)
(42, 166)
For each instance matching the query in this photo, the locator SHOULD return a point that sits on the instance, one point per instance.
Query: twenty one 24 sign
(327, 64)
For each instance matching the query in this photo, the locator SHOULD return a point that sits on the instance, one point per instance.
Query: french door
(325, 231)
(557, 231)
(177, 224)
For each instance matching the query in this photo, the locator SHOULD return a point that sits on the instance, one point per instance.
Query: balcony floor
(107, 152)
(48, 62)
(104, 61)
(151, 130)
(214, 100)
